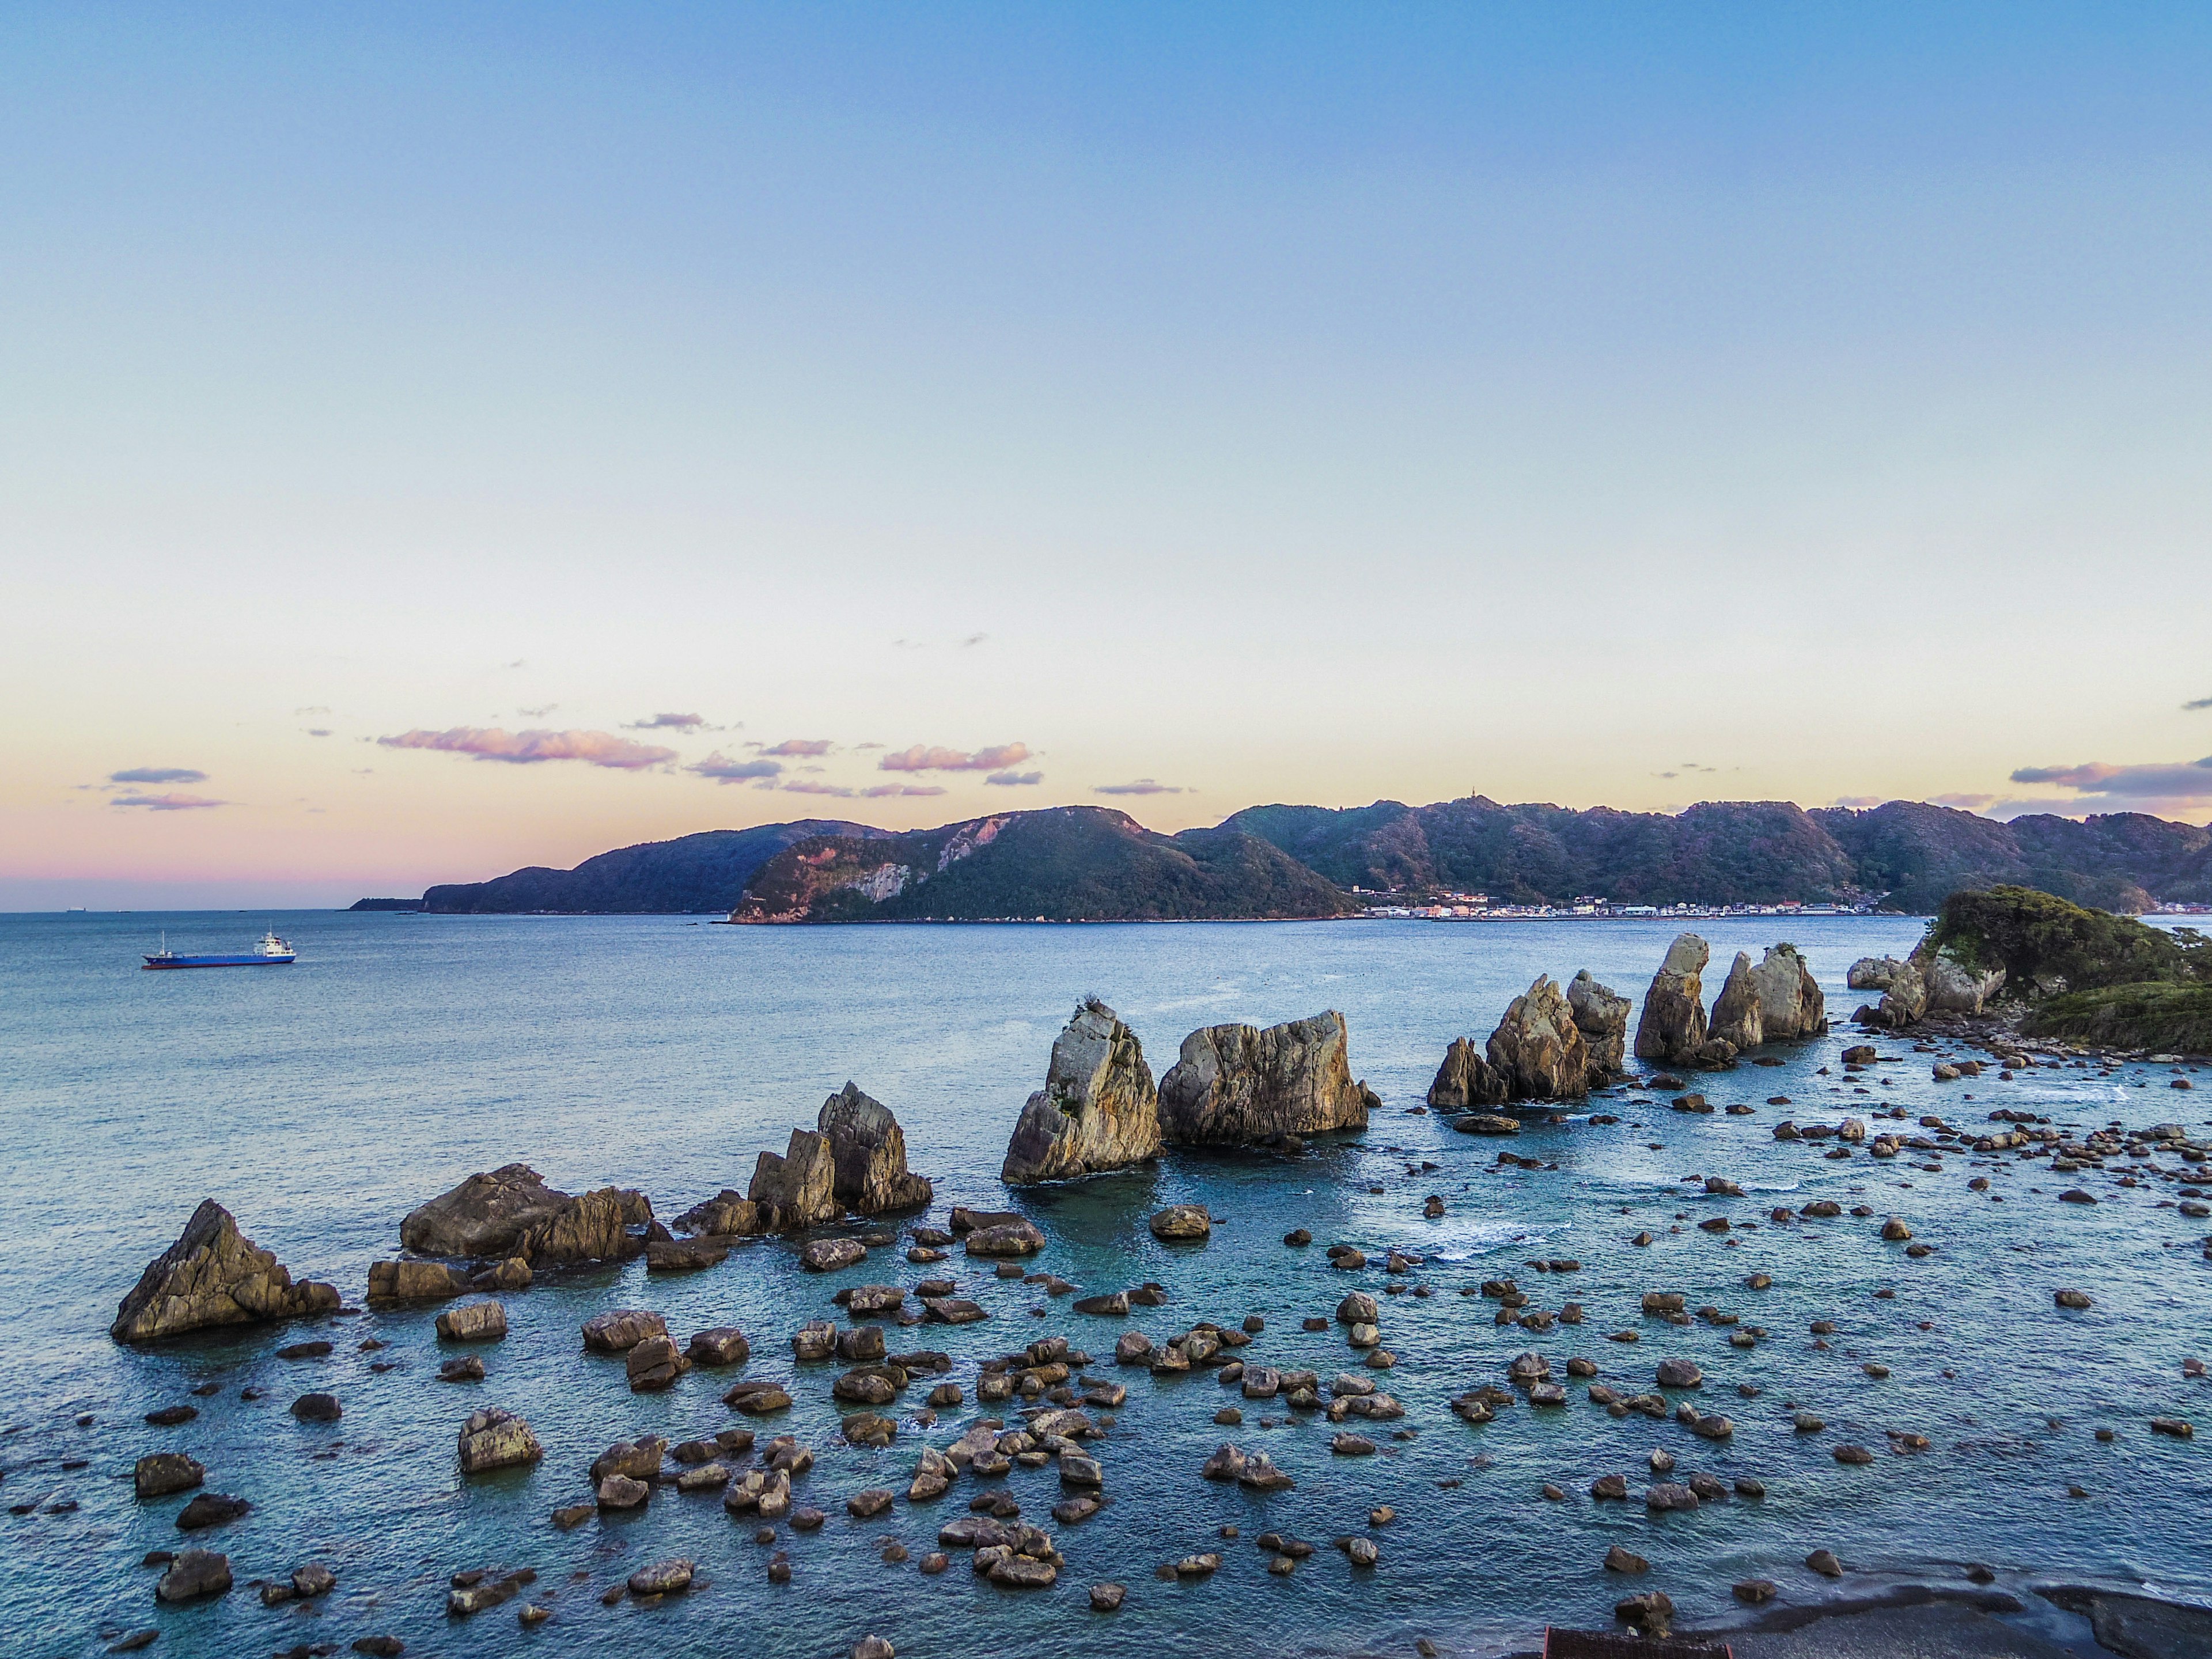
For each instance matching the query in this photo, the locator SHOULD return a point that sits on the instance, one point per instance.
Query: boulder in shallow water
(213, 1275)
(728, 1214)
(414, 1281)
(510, 1212)
(1099, 1108)
(473, 1322)
(1601, 1016)
(799, 1189)
(1017, 1236)
(1673, 1025)
(1236, 1086)
(867, 1152)
(1180, 1223)
(158, 1474)
(496, 1439)
(192, 1574)
(1467, 1078)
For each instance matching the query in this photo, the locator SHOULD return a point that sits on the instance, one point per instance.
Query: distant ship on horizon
(271, 952)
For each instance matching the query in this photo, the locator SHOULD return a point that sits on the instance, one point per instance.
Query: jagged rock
(1790, 1004)
(414, 1281)
(1673, 1025)
(1953, 987)
(1467, 1078)
(1873, 973)
(213, 1275)
(510, 1212)
(473, 1322)
(621, 1330)
(1538, 1048)
(683, 1255)
(728, 1214)
(1236, 1086)
(800, 1188)
(192, 1574)
(1099, 1108)
(867, 1150)
(1183, 1222)
(1737, 1017)
(1906, 1002)
(828, 1255)
(496, 1439)
(653, 1364)
(1601, 1016)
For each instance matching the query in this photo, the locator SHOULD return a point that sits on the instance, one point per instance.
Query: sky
(438, 440)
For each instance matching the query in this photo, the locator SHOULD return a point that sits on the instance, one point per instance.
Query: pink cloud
(877, 790)
(924, 759)
(527, 748)
(2160, 780)
(1963, 802)
(1014, 779)
(809, 787)
(662, 723)
(798, 747)
(718, 767)
(1142, 787)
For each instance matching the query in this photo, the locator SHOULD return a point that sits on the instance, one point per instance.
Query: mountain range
(1073, 863)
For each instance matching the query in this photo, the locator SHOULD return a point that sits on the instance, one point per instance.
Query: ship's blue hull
(219, 962)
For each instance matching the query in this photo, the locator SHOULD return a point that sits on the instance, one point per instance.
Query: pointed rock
(1601, 1016)
(800, 1187)
(1736, 1016)
(1673, 1024)
(867, 1149)
(213, 1275)
(1098, 1110)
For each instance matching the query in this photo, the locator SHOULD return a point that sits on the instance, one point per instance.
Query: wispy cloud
(528, 747)
(718, 767)
(1142, 787)
(319, 731)
(665, 723)
(974, 639)
(810, 786)
(2198, 702)
(1965, 803)
(158, 774)
(877, 792)
(922, 758)
(1859, 802)
(797, 747)
(539, 712)
(168, 803)
(1012, 778)
(312, 708)
(2161, 781)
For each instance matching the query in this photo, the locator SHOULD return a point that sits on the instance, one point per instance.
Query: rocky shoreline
(842, 1198)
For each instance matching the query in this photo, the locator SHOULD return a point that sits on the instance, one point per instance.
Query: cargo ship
(271, 952)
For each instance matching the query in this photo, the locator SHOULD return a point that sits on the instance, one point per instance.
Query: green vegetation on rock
(2048, 946)
(2177, 1018)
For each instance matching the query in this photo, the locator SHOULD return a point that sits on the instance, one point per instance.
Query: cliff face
(1063, 864)
(693, 874)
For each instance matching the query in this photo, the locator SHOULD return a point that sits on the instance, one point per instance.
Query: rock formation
(1873, 973)
(868, 1151)
(1538, 1048)
(727, 1214)
(1236, 1086)
(1955, 986)
(1466, 1079)
(799, 1189)
(1904, 1003)
(1790, 1004)
(414, 1281)
(1601, 1016)
(213, 1275)
(510, 1212)
(1672, 1028)
(1737, 1019)
(1098, 1110)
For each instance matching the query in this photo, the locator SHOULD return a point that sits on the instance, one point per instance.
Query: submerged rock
(1236, 1086)
(213, 1275)
(1099, 1108)
(867, 1150)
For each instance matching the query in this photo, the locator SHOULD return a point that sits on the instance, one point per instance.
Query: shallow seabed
(319, 1103)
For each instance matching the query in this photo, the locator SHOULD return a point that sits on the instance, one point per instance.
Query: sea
(321, 1102)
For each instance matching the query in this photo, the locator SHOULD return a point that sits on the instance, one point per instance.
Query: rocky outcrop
(1466, 1079)
(1873, 973)
(1236, 1086)
(1736, 1018)
(510, 1213)
(867, 1150)
(728, 1214)
(1099, 1108)
(1673, 1024)
(1790, 1004)
(1538, 1048)
(414, 1281)
(1905, 1003)
(1601, 1016)
(1955, 986)
(213, 1275)
(800, 1188)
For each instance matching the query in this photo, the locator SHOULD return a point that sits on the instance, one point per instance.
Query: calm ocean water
(320, 1102)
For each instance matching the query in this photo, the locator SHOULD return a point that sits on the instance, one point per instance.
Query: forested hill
(1278, 861)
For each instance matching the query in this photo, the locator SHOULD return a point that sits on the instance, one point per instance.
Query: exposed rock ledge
(1236, 1086)
(510, 1212)
(213, 1275)
(1099, 1108)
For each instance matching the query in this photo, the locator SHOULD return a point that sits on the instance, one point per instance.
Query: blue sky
(1599, 404)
